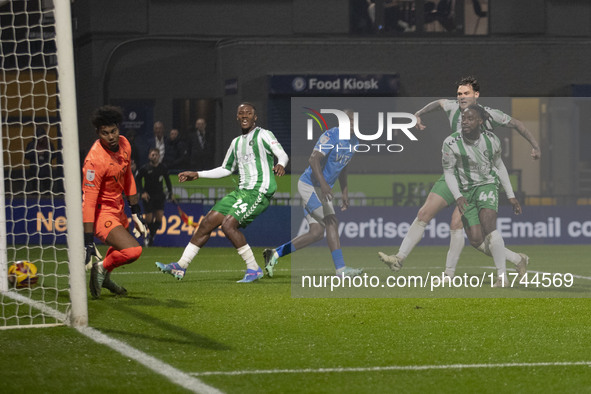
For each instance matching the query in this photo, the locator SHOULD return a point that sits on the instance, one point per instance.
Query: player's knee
(208, 224)
(229, 226)
(131, 254)
(475, 237)
(331, 221)
(317, 231)
(456, 221)
(425, 214)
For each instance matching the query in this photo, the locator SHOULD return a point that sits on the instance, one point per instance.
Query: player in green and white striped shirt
(472, 168)
(468, 91)
(252, 154)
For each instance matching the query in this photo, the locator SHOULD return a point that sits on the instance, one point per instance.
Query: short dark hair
(106, 115)
(471, 81)
(479, 109)
(249, 104)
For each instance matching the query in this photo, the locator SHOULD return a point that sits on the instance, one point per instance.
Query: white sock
(456, 244)
(483, 247)
(413, 237)
(246, 253)
(509, 254)
(497, 249)
(512, 256)
(189, 254)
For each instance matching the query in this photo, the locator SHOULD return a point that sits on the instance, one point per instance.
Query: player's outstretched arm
(188, 176)
(432, 106)
(518, 125)
(216, 173)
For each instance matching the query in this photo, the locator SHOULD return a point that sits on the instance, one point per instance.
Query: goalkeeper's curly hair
(107, 115)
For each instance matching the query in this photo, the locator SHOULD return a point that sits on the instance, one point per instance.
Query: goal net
(40, 179)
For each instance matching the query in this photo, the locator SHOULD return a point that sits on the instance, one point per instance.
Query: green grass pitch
(265, 337)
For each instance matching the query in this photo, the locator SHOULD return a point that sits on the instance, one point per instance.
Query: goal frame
(77, 314)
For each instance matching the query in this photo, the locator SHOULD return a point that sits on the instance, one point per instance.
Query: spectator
(176, 153)
(202, 147)
(158, 141)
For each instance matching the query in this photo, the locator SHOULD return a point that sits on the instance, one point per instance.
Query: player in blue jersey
(328, 163)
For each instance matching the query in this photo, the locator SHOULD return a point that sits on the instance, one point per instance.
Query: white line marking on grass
(545, 272)
(552, 273)
(45, 309)
(393, 368)
(174, 375)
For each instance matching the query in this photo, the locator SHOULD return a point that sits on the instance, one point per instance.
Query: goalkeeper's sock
(456, 244)
(497, 249)
(413, 237)
(189, 254)
(117, 258)
(285, 249)
(246, 253)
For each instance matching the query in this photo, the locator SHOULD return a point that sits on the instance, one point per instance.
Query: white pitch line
(393, 368)
(174, 375)
(552, 273)
(324, 270)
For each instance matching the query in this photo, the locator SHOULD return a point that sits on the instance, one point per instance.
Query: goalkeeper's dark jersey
(152, 180)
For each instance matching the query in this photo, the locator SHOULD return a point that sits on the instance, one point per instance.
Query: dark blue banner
(387, 226)
(358, 226)
(334, 84)
(29, 223)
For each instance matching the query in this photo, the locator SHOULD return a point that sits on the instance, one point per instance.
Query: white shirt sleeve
(219, 172)
(452, 183)
(448, 161)
(282, 157)
(276, 148)
(504, 177)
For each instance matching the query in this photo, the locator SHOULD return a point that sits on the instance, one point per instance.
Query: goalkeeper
(106, 176)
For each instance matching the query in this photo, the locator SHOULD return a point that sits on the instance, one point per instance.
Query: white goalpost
(40, 185)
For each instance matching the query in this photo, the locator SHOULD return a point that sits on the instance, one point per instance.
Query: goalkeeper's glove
(92, 253)
(139, 225)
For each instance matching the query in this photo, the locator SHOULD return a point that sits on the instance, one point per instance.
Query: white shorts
(314, 209)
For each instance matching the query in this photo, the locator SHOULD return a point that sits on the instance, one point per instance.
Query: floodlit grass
(223, 332)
